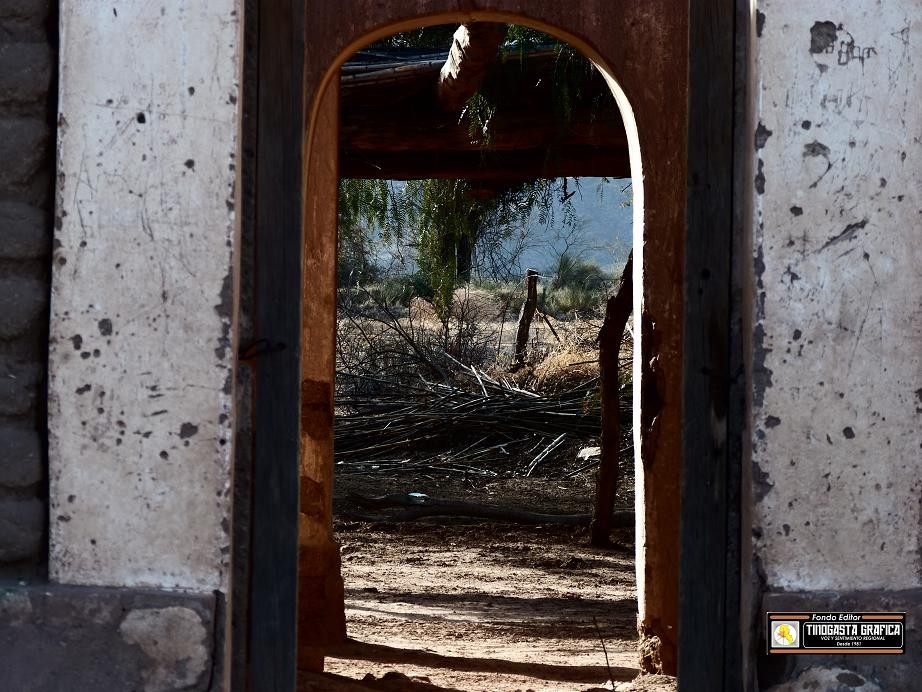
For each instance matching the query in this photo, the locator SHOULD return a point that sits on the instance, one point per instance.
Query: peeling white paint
(838, 431)
(141, 355)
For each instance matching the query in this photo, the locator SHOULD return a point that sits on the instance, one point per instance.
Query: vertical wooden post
(526, 316)
(617, 311)
(321, 612)
(710, 558)
(274, 539)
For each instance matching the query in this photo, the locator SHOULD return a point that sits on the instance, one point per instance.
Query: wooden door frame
(271, 647)
(710, 579)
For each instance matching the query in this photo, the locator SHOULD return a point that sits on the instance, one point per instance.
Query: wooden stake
(526, 316)
(617, 312)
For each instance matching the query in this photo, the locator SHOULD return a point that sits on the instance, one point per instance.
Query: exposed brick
(27, 68)
(25, 20)
(24, 150)
(20, 456)
(19, 383)
(22, 523)
(24, 231)
(22, 305)
(25, 76)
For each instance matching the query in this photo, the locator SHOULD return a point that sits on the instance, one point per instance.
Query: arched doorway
(643, 52)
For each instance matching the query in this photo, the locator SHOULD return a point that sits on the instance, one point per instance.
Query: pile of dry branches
(406, 400)
(489, 428)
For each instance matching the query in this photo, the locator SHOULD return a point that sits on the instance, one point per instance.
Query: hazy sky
(604, 233)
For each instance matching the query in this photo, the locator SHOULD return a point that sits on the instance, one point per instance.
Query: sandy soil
(475, 606)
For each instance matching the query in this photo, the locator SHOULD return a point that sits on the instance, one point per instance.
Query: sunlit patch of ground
(475, 606)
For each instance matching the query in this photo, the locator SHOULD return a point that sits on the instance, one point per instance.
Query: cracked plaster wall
(141, 358)
(838, 315)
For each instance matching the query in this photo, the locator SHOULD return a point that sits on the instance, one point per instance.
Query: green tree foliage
(437, 37)
(363, 207)
(448, 224)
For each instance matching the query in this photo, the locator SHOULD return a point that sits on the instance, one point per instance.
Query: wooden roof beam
(503, 166)
(473, 48)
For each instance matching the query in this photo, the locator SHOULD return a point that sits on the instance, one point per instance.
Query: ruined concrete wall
(838, 396)
(141, 356)
(837, 391)
(28, 36)
(87, 639)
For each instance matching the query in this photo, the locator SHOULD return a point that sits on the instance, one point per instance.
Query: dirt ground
(463, 605)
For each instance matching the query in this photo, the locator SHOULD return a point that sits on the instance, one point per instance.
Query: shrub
(402, 288)
(508, 294)
(558, 301)
(578, 285)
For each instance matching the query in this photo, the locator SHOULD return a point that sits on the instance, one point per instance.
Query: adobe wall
(28, 38)
(837, 364)
(108, 495)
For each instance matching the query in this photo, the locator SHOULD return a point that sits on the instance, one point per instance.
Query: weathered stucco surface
(141, 382)
(90, 638)
(837, 363)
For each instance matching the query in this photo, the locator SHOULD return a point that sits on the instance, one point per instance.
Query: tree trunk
(617, 311)
(464, 258)
(526, 316)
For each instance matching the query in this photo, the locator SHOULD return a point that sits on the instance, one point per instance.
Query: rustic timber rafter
(473, 48)
(394, 123)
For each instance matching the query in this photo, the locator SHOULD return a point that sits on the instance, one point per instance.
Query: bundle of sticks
(490, 427)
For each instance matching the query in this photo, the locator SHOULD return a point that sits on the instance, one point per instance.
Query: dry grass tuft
(565, 369)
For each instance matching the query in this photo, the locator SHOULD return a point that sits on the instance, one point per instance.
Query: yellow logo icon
(784, 634)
